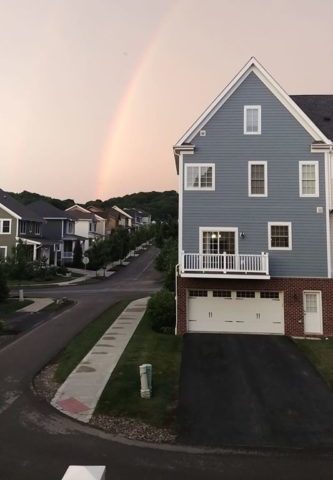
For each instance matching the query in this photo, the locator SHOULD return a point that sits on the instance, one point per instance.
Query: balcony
(67, 255)
(224, 265)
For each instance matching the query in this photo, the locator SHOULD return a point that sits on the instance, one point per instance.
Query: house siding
(8, 241)
(52, 229)
(283, 143)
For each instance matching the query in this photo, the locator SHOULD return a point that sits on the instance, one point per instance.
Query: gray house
(58, 240)
(255, 212)
(19, 222)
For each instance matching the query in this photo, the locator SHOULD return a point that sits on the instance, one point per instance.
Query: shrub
(161, 311)
(61, 270)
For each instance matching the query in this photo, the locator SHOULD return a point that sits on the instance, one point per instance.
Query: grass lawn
(12, 305)
(56, 279)
(83, 343)
(121, 396)
(320, 354)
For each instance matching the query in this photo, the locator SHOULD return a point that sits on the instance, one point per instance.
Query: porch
(224, 265)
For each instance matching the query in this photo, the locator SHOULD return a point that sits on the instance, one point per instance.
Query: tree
(4, 290)
(77, 257)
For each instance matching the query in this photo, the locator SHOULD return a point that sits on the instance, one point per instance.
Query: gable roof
(253, 66)
(121, 211)
(17, 208)
(320, 109)
(78, 207)
(47, 210)
(80, 214)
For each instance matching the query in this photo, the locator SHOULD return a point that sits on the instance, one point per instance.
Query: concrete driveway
(251, 390)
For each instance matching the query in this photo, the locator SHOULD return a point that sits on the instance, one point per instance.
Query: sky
(94, 93)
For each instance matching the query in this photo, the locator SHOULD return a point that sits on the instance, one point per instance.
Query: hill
(161, 205)
(29, 197)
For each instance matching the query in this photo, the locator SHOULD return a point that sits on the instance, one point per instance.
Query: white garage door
(235, 311)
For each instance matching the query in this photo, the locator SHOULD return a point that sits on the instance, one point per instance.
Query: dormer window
(252, 120)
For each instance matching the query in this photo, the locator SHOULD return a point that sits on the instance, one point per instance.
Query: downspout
(176, 295)
(328, 186)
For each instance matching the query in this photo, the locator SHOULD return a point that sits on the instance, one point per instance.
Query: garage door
(235, 311)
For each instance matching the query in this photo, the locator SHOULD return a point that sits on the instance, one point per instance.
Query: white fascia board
(100, 219)
(254, 66)
(122, 212)
(79, 208)
(6, 209)
(28, 241)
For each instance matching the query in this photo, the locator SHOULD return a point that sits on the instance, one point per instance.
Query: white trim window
(37, 228)
(199, 176)
(309, 179)
(252, 119)
(257, 179)
(5, 226)
(70, 228)
(217, 240)
(279, 236)
(3, 253)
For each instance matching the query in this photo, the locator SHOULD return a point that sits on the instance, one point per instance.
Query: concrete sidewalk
(91, 273)
(79, 394)
(39, 304)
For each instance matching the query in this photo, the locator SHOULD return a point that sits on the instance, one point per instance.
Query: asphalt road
(251, 390)
(38, 443)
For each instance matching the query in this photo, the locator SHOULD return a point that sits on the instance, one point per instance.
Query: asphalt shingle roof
(47, 210)
(15, 206)
(78, 214)
(319, 108)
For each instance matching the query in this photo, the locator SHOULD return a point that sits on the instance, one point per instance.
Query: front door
(313, 320)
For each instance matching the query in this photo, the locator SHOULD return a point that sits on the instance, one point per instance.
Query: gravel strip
(132, 429)
(45, 386)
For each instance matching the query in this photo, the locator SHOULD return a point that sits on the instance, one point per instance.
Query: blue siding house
(255, 205)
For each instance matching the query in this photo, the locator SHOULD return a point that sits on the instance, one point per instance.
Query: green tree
(77, 257)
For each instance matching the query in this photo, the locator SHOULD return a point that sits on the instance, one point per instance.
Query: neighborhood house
(255, 203)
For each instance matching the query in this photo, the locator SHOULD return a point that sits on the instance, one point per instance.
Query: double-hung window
(279, 236)
(70, 228)
(308, 179)
(37, 228)
(5, 226)
(199, 176)
(252, 120)
(257, 179)
(23, 227)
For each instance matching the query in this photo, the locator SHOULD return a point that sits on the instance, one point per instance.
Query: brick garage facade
(292, 288)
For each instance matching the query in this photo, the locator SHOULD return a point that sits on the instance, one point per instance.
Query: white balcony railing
(225, 263)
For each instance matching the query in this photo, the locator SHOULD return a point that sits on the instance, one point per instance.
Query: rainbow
(117, 135)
